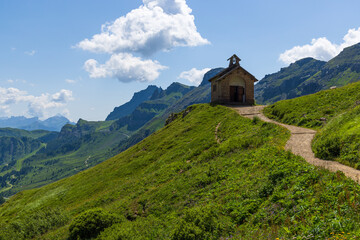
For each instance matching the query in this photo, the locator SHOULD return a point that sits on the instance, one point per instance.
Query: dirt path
(300, 143)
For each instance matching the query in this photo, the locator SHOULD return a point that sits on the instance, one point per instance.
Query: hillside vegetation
(179, 183)
(335, 113)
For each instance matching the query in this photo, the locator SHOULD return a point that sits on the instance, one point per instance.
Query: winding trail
(300, 142)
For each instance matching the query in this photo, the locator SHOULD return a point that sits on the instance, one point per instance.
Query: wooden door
(236, 94)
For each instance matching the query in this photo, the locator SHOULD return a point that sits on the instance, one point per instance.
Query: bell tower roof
(234, 60)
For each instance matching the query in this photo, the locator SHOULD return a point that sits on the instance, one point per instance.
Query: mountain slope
(309, 76)
(181, 184)
(339, 71)
(147, 110)
(135, 101)
(283, 84)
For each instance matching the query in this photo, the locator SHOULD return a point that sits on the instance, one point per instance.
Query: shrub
(256, 120)
(201, 223)
(90, 223)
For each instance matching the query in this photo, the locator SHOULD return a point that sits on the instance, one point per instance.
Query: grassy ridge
(179, 183)
(340, 139)
(313, 111)
(335, 113)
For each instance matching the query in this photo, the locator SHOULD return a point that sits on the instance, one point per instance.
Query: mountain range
(51, 124)
(307, 76)
(87, 143)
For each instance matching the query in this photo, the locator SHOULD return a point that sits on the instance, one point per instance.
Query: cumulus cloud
(44, 105)
(157, 25)
(125, 68)
(194, 75)
(320, 48)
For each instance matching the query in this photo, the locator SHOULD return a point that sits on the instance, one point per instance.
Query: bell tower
(234, 60)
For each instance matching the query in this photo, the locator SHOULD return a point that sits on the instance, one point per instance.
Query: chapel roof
(232, 67)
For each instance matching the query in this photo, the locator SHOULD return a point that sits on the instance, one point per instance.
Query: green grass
(334, 113)
(339, 140)
(19, 162)
(313, 111)
(179, 183)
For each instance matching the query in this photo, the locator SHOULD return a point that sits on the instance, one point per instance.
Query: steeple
(234, 60)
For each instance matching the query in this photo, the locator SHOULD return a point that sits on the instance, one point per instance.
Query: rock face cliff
(308, 76)
(130, 106)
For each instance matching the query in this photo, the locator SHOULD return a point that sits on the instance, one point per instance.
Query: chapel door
(234, 93)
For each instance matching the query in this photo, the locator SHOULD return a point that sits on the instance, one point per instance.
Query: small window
(214, 88)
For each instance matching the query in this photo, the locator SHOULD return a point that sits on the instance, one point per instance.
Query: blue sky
(82, 58)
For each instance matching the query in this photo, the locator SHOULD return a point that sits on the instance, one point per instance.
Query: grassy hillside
(179, 183)
(315, 110)
(340, 139)
(335, 113)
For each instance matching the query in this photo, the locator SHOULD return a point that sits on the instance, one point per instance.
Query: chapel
(233, 85)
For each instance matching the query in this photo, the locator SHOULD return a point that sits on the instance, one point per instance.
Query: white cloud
(194, 75)
(30, 53)
(125, 68)
(320, 48)
(45, 105)
(157, 25)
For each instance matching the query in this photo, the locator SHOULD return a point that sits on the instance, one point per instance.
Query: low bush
(90, 223)
(202, 223)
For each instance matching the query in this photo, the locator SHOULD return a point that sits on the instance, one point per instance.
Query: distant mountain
(209, 75)
(339, 71)
(51, 124)
(16, 122)
(147, 110)
(283, 84)
(135, 101)
(308, 76)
